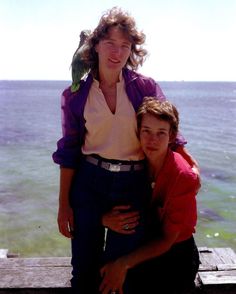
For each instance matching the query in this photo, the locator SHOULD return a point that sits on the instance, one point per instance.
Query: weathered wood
(36, 277)
(218, 277)
(33, 275)
(217, 259)
(35, 262)
(217, 273)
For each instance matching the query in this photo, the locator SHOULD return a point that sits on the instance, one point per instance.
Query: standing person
(100, 157)
(169, 260)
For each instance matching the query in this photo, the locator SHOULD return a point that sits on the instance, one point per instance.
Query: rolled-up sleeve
(68, 147)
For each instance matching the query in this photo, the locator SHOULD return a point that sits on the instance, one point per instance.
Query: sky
(191, 40)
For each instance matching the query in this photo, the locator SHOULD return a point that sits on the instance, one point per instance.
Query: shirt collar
(120, 82)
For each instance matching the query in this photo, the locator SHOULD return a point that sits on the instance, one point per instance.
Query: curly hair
(163, 110)
(116, 17)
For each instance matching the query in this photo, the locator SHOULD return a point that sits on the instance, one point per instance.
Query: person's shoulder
(134, 75)
(183, 171)
(69, 93)
(68, 96)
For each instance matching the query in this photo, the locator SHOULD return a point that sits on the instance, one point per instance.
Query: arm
(151, 250)
(69, 146)
(65, 215)
(66, 156)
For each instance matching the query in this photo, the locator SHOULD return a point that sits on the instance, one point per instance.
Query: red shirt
(174, 196)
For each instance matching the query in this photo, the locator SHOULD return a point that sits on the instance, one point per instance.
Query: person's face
(114, 50)
(154, 136)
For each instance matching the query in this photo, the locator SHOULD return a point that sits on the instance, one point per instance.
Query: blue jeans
(95, 191)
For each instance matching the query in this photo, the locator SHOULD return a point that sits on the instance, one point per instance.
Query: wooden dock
(217, 273)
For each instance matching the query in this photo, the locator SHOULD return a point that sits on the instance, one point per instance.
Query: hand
(65, 220)
(114, 274)
(120, 220)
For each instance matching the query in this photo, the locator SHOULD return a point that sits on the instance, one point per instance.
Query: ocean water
(30, 127)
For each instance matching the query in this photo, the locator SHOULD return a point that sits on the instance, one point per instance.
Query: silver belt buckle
(114, 167)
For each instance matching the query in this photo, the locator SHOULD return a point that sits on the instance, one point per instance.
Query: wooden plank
(227, 255)
(226, 267)
(36, 277)
(218, 277)
(217, 272)
(207, 267)
(215, 258)
(35, 262)
(218, 267)
(209, 258)
(53, 274)
(48, 272)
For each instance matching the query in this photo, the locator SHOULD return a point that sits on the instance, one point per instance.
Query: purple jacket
(73, 123)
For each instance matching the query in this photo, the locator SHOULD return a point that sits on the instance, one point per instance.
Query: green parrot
(78, 66)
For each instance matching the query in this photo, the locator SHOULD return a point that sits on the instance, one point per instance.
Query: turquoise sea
(30, 127)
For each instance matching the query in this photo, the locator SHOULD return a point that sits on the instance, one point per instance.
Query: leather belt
(115, 167)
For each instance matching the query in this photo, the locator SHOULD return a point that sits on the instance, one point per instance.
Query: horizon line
(62, 80)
